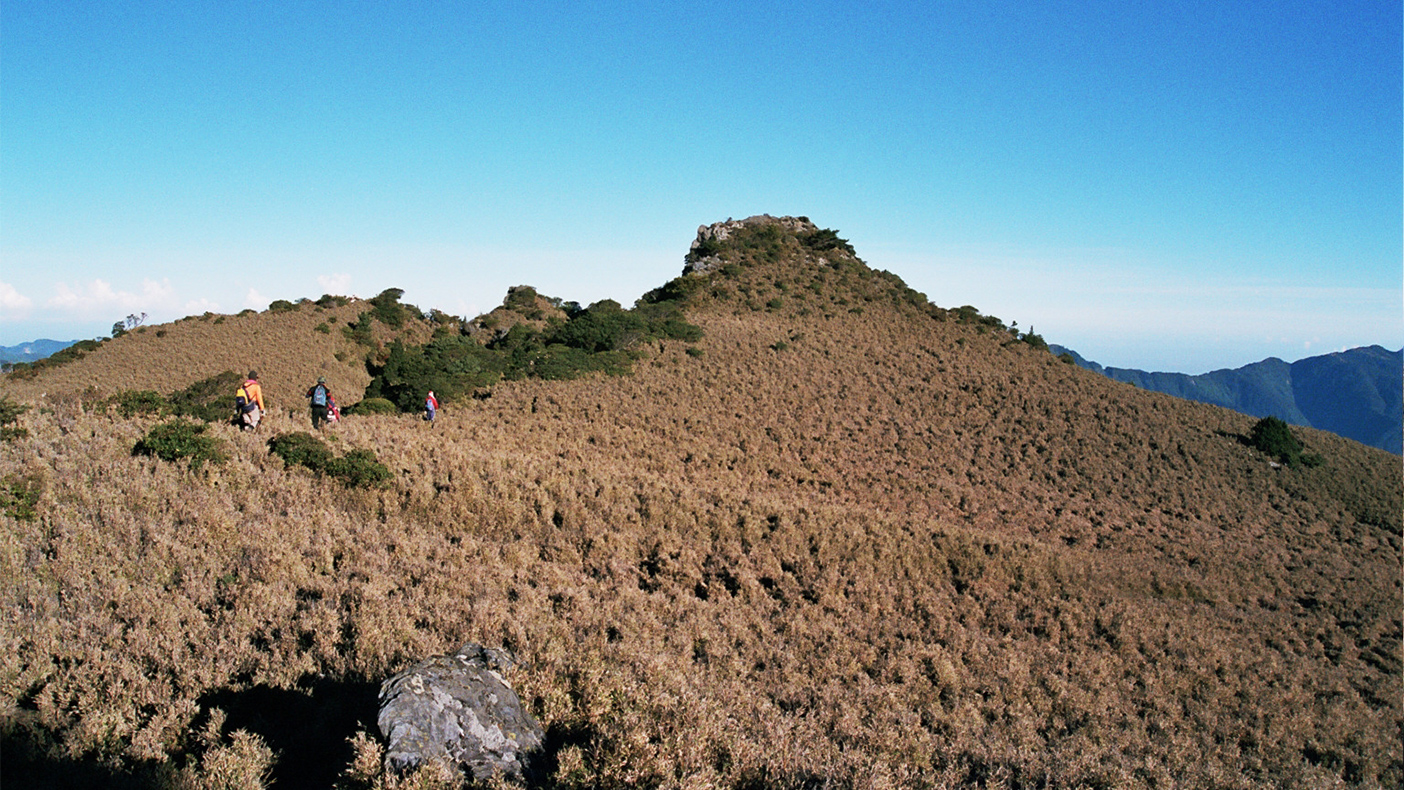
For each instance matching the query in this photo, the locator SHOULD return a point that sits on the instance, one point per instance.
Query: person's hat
(321, 379)
(253, 374)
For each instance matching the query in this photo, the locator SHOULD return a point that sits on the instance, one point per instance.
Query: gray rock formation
(721, 231)
(457, 710)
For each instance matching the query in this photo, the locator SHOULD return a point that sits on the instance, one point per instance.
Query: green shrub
(19, 494)
(323, 327)
(386, 308)
(1272, 435)
(211, 399)
(451, 365)
(357, 469)
(360, 332)
(9, 413)
(521, 299)
(281, 306)
(1034, 340)
(694, 351)
(301, 449)
(133, 402)
(179, 439)
(825, 240)
(596, 338)
(603, 326)
(328, 300)
(372, 406)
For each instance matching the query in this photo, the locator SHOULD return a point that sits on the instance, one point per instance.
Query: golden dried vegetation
(848, 540)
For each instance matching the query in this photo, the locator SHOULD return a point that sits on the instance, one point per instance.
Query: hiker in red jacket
(431, 407)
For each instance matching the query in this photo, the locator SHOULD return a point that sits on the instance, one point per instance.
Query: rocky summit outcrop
(458, 711)
(701, 257)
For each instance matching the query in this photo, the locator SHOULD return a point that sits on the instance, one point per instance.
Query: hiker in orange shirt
(249, 399)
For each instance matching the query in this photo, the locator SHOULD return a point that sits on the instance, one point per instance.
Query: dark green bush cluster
(825, 240)
(328, 300)
(386, 308)
(281, 306)
(1034, 340)
(356, 469)
(19, 496)
(600, 337)
(130, 403)
(211, 399)
(360, 332)
(372, 406)
(1273, 436)
(966, 314)
(180, 439)
(9, 413)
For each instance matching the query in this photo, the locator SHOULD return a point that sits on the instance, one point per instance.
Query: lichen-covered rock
(457, 710)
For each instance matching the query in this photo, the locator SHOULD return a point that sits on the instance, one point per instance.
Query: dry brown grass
(286, 349)
(895, 552)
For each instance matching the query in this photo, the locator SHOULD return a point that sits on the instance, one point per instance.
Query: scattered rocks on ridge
(457, 710)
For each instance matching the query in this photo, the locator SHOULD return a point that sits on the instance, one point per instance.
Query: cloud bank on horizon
(1173, 188)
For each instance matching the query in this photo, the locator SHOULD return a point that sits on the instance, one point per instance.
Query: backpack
(319, 395)
(242, 401)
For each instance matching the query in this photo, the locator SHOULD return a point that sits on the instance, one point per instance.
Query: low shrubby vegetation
(1273, 436)
(10, 412)
(357, 468)
(19, 494)
(181, 440)
(531, 337)
(210, 400)
(905, 552)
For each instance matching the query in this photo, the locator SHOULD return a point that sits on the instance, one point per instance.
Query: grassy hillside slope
(846, 539)
(286, 347)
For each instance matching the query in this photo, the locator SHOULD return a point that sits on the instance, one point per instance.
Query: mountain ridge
(33, 350)
(1354, 393)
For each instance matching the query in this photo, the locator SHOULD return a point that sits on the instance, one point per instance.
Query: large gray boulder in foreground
(458, 711)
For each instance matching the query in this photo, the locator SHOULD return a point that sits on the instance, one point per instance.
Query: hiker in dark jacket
(320, 396)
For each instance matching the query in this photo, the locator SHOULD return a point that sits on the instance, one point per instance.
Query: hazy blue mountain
(28, 352)
(1358, 393)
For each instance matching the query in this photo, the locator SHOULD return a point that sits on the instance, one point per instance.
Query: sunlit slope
(289, 348)
(845, 537)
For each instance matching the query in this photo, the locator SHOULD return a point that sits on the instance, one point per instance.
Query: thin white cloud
(255, 300)
(13, 304)
(335, 283)
(199, 306)
(98, 298)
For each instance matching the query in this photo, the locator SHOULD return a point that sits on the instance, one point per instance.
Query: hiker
(333, 410)
(249, 400)
(321, 397)
(431, 407)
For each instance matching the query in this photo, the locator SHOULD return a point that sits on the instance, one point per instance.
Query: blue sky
(1171, 186)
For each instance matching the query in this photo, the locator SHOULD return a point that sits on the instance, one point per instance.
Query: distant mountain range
(35, 350)
(1358, 394)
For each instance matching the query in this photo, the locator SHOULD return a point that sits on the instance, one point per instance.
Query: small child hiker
(431, 407)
